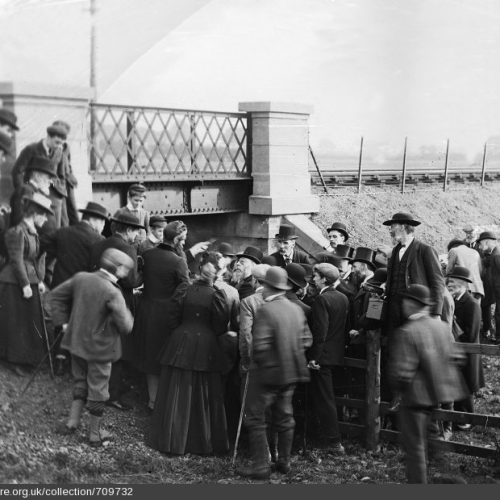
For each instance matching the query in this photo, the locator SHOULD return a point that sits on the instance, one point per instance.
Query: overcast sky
(384, 69)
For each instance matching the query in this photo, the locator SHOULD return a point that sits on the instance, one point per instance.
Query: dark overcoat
(246, 287)
(298, 257)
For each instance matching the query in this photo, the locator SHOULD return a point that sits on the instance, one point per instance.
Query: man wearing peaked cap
(157, 224)
(488, 246)
(246, 261)
(337, 234)
(70, 246)
(288, 252)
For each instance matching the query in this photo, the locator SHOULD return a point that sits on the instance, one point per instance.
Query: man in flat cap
(470, 239)
(488, 245)
(337, 234)
(288, 253)
(157, 224)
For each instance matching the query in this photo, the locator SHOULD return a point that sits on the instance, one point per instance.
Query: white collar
(152, 238)
(272, 297)
(131, 208)
(112, 277)
(31, 224)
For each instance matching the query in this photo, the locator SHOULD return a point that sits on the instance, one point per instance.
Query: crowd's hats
(327, 257)
(486, 235)
(402, 218)
(8, 117)
(420, 293)
(259, 271)
(5, 143)
(127, 219)
(308, 269)
(468, 228)
(252, 253)
(277, 277)
(455, 242)
(59, 128)
(39, 200)
(42, 164)
(296, 274)
(366, 255)
(329, 271)
(270, 260)
(460, 273)
(95, 210)
(135, 189)
(344, 252)
(158, 221)
(340, 227)
(286, 232)
(226, 249)
(379, 276)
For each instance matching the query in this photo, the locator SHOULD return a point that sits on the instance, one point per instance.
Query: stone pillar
(36, 107)
(280, 152)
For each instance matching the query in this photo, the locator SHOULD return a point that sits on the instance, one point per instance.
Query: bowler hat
(39, 200)
(379, 276)
(137, 189)
(226, 249)
(296, 274)
(270, 260)
(286, 232)
(486, 235)
(460, 273)
(259, 271)
(308, 269)
(8, 117)
(329, 271)
(252, 253)
(366, 255)
(5, 143)
(59, 128)
(277, 277)
(402, 218)
(158, 221)
(95, 209)
(455, 242)
(468, 228)
(420, 293)
(127, 219)
(344, 252)
(42, 164)
(338, 226)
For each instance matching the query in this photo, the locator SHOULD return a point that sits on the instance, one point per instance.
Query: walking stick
(40, 364)
(304, 442)
(241, 417)
(46, 336)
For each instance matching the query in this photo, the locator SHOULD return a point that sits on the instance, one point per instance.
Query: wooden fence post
(446, 165)
(372, 435)
(403, 182)
(360, 167)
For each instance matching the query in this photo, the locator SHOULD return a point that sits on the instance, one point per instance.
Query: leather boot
(272, 441)
(259, 450)
(285, 441)
(97, 435)
(74, 414)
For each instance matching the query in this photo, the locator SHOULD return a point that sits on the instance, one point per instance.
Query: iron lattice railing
(138, 143)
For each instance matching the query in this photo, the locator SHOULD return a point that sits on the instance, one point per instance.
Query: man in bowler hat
(337, 234)
(246, 261)
(8, 122)
(288, 252)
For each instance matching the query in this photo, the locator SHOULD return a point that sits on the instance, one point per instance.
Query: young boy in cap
(157, 224)
(136, 195)
(92, 312)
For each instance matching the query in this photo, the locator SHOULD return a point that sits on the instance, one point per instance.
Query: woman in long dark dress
(21, 283)
(188, 415)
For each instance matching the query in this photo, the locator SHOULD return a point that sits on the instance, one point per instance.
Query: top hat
(344, 252)
(455, 242)
(59, 128)
(95, 209)
(158, 221)
(420, 293)
(379, 276)
(329, 271)
(8, 117)
(127, 219)
(402, 218)
(277, 277)
(136, 189)
(5, 143)
(486, 235)
(461, 273)
(338, 226)
(226, 249)
(259, 271)
(286, 232)
(40, 201)
(296, 274)
(42, 164)
(252, 253)
(366, 255)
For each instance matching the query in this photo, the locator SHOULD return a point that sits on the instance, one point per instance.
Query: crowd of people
(212, 330)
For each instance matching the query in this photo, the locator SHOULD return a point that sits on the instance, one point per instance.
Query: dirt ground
(35, 449)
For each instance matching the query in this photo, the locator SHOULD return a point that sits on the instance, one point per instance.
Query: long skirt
(21, 325)
(188, 415)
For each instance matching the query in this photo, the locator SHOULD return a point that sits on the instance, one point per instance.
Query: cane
(304, 442)
(46, 336)
(241, 416)
(40, 364)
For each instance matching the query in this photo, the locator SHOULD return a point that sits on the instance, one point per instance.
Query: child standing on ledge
(135, 200)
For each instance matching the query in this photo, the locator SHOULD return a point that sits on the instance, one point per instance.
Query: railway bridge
(230, 175)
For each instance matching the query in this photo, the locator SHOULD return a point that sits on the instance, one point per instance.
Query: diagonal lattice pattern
(171, 144)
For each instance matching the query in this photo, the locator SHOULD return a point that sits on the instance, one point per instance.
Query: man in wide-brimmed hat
(250, 257)
(280, 338)
(8, 122)
(288, 252)
(488, 246)
(337, 234)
